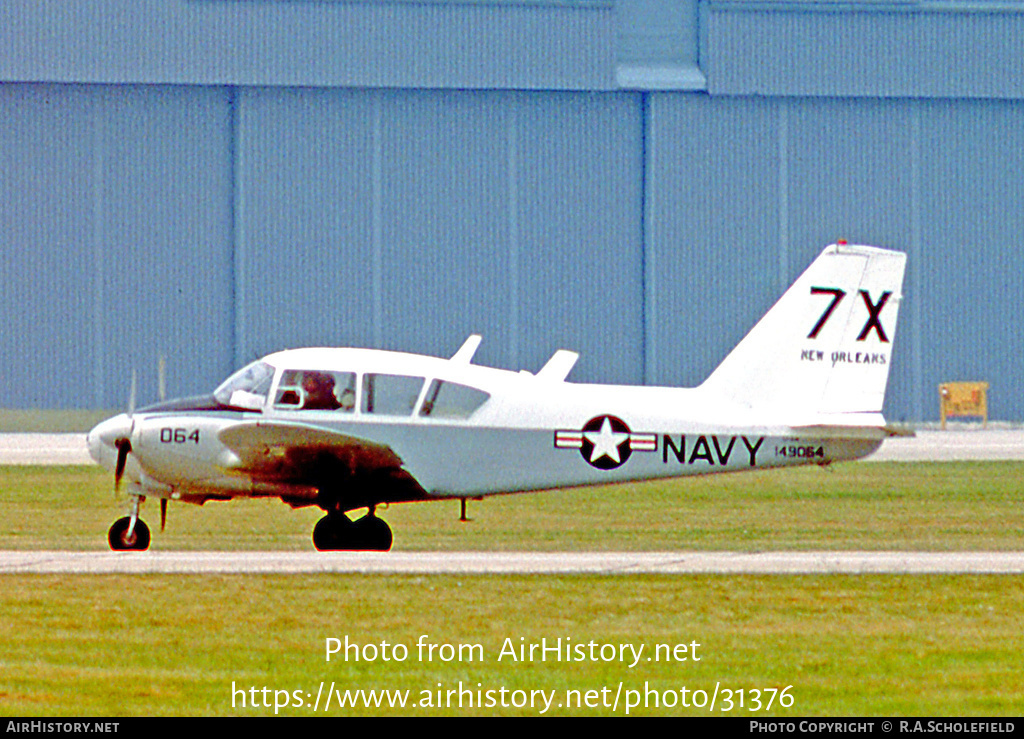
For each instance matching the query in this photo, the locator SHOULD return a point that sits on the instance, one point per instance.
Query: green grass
(907, 506)
(848, 645)
(174, 645)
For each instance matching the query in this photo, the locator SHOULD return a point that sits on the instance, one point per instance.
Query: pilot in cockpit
(319, 387)
(348, 399)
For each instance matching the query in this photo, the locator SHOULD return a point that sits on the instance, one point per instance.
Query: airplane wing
(356, 472)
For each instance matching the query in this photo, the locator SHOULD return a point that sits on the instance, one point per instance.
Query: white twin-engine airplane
(356, 428)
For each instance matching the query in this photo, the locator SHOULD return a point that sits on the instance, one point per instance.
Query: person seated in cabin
(319, 388)
(348, 399)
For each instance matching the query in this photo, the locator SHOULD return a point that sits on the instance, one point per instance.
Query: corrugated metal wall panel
(851, 176)
(861, 49)
(163, 238)
(791, 175)
(445, 225)
(714, 225)
(657, 31)
(973, 282)
(355, 210)
(568, 44)
(579, 224)
(745, 201)
(745, 193)
(647, 231)
(117, 251)
(47, 303)
(304, 238)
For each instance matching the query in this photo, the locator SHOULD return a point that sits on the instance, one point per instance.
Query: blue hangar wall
(639, 180)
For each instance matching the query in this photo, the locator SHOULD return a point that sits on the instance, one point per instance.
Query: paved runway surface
(954, 445)
(44, 449)
(963, 444)
(475, 563)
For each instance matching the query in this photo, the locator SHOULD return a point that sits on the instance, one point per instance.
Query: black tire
(335, 532)
(117, 536)
(332, 532)
(372, 534)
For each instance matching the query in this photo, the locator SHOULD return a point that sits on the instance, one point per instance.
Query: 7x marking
(873, 323)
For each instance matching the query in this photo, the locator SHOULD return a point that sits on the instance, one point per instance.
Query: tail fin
(824, 349)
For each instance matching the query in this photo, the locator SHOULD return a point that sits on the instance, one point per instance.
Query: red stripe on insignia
(568, 439)
(643, 442)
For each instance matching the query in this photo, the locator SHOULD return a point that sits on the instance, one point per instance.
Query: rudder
(825, 347)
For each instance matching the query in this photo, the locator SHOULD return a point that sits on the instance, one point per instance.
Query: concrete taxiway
(954, 445)
(480, 563)
(48, 449)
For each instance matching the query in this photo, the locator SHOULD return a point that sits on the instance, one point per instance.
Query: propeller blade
(124, 447)
(163, 513)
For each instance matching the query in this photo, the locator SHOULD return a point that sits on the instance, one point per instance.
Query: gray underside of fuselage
(456, 461)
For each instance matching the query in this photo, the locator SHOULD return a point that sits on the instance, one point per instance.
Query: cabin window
(390, 395)
(316, 390)
(451, 400)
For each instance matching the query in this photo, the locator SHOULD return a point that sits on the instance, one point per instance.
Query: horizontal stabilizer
(825, 431)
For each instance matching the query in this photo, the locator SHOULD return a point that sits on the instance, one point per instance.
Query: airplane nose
(102, 437)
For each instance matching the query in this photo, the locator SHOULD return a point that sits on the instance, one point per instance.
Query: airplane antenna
(161, 377)
(131, 393)
(465, 353)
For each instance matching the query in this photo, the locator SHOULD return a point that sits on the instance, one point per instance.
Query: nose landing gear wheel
(119, 539)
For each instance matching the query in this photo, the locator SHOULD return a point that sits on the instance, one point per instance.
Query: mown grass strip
(946, 506)
(175, 645)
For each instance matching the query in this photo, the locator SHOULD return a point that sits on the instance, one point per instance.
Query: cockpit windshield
(247, 388)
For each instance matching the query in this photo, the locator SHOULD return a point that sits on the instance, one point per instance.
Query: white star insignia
(606, 442)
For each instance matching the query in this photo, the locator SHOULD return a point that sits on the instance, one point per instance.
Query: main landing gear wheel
(373, 533)
(120, 540)
(336, 532)
(331, 531)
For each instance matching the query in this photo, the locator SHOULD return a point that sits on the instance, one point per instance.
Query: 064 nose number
(179, 436)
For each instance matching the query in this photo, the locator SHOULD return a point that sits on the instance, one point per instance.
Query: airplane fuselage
(574, 434)
(351, 428)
